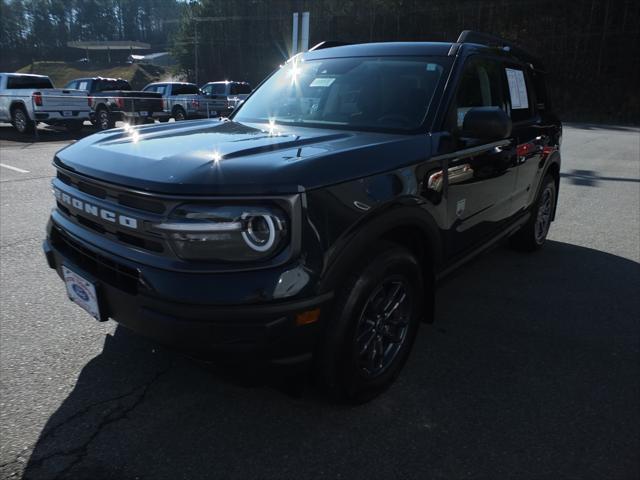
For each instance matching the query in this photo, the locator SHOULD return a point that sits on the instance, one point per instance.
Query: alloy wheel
(543, 219)
(103, 118)
(20, 121)
(383, 325)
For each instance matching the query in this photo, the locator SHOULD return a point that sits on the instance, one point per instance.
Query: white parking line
(14, 168)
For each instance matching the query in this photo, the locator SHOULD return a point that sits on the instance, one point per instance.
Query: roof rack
(470, 36)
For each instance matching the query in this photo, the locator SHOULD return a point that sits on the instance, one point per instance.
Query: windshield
(391, 93)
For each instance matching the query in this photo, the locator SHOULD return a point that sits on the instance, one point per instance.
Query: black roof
(382, 49)
(469, 41)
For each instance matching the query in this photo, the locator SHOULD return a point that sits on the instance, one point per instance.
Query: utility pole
(195, 49)
(304, 34)
(294, 35)
(304, 38)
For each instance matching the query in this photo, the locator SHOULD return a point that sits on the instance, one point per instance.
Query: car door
(480, 174)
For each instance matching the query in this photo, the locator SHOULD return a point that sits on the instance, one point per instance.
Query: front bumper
(246, 332)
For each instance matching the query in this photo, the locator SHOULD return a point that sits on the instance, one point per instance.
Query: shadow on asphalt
(531, 370)
(45, 134)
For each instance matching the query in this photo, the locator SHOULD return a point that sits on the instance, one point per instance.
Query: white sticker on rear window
(517, 88)
(322, 82)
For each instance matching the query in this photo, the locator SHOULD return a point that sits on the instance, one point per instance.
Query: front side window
(216, 89)
(480, 86)
(377, 93)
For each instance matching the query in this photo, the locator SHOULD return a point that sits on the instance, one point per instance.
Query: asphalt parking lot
(531, 370)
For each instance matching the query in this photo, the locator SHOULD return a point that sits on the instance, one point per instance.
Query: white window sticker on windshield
(517, 88)
(322, 82)
(83, 85)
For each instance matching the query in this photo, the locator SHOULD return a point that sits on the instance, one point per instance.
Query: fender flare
(18, 103)
(349, 249)
(554, 159)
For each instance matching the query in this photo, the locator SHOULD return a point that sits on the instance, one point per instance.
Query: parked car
(112, 99)
(313, 225)
(27, 99)
(180, 100)
(225, 96)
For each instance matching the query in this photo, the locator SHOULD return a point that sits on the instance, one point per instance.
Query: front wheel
(374, 323)
(533, 234)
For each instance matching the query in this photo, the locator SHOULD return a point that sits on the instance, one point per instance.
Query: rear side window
(106, 85)
(540, 87)
(480, 86)
(184, 89)
(521, 100)
(240, 89)
(29, 82)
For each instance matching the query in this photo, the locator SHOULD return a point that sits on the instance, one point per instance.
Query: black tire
(104, 120)
(343, 365)
(179, 114)
(74, 126)
(164, 119)
(21, 121)
(533, 234)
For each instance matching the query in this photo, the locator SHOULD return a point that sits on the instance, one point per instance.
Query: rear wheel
(104, 120)
(21, 121)
(179, 114)
(533, 234)
(373, 326)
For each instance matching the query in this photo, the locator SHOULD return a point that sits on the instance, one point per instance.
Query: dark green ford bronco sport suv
(312, 226)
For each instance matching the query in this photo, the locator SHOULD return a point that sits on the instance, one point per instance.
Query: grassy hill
(62, 72)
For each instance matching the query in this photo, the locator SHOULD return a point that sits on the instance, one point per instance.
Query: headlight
(229, 233)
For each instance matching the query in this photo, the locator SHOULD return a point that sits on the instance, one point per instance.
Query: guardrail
(37, 101)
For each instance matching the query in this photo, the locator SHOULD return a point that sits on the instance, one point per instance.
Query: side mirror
(486, 123)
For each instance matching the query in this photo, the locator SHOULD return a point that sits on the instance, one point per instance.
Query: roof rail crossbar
(327, 44)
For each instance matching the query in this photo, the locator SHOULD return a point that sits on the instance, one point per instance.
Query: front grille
(139, 238)
(101, 267)
(92, 190)
(127, 200)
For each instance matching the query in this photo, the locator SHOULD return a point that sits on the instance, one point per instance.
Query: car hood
(222, 157)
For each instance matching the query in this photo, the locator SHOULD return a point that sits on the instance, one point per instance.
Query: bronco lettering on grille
(94, 210)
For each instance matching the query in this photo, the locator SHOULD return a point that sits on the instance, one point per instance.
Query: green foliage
(63, 72)
(40, 29)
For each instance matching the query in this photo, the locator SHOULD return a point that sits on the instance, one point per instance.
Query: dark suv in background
(314, 224)
(113, 99)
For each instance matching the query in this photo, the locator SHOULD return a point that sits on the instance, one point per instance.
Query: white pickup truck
(27, 99)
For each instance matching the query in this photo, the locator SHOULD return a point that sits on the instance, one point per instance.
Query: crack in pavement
(114, 414)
